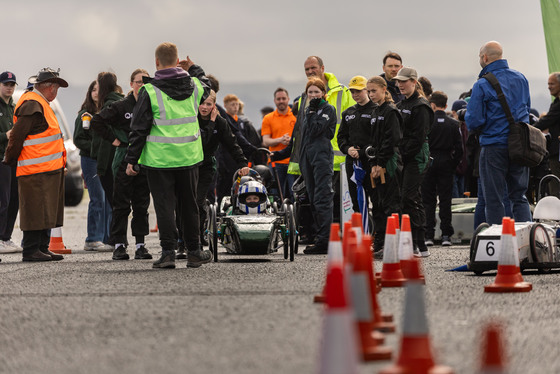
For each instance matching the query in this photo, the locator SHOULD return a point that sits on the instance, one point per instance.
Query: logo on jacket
(128, 115)
(326, 116)
(372, 122)
(349, 117)
(366, 115)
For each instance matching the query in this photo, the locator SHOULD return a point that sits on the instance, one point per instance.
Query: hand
(376, 171)
(130, 170)
(8, 134)
(244, 171)
(214, 114)
(285, 139)
(314, 104)
(116, 142)
(186, 64)
(353, 152)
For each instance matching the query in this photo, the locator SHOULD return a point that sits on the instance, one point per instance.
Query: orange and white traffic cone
(493, 360)
(155, 229)
(334, 253)
(406, 249)
(397, 226)
(415, 355)
(391, 274)
(56, 244)
(356, 220)
(509, 277)
(338, 352)
(362, 296)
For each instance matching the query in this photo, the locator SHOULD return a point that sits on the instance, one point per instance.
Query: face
(407, 87)
(50, 92)
(252, 199)
(7, 89)
(95, 92)
(206, 107)
(391, 67)
(553, 85)
(281, 101)
(376, 93)
(137, 83)
(312, 68)
(314, 92)
(232, 107)
(482, 59)
(359, 96)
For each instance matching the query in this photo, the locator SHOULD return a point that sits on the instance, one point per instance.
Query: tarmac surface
(89, 314)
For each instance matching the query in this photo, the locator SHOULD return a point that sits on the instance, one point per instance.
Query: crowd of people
(168, 138)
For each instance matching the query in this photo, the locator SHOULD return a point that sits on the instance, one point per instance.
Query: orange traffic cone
(56, 244)
(155, 229)
(406, 249)
(357, 224)
(338, 352)
(397, 226)
(415, 355)
(391, 274)
(493, 360)
(361, 285)
(509, 277)
(334, 253)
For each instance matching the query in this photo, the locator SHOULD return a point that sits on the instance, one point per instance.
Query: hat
(7, 76)
(48, 75)
(458, 104)
(358, 83)
(406, 73)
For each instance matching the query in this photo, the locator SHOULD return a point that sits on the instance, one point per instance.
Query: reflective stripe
(338, 153)
(163, 121)
(42, 140)
(175, 121)
(173, 140)
(39, 160)
(339, 106)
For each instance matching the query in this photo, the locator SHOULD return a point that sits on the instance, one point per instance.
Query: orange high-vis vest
(45, 151)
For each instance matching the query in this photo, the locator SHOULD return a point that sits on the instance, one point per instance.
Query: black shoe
(314, 249)
(120, 253)
(181, 252)
(54, 256)
(304, 239)
(36, 256)
(166, 261)
(199, 257)
(142, 253)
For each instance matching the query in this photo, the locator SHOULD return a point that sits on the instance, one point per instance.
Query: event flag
(551, 24)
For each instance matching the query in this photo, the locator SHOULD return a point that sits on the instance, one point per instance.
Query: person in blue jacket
(485, 115)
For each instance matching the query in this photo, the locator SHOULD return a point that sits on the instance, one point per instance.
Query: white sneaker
(429, 242)
(8, 246)
(98, 246)
(422, 254)
(446, 241)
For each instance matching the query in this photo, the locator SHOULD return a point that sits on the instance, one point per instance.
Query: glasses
(138, 82)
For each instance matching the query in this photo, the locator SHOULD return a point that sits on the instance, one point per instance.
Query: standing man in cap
(36, 145)
(8, 181)
(486, 115)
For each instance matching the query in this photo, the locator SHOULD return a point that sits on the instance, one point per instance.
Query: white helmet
(252, 188)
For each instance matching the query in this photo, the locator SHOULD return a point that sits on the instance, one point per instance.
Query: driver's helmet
(252, 188)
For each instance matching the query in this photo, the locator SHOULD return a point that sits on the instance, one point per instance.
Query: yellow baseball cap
(358, 83)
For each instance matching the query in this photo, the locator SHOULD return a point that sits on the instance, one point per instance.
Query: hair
(394, 55)
(419, 89)
(379, 81)
(167, 54)
(438, 98)
(556, 75)
(89, 105)
(280, 89)
(317, 82)
(212, 96)
(136, 72)
(214, 83)
(426, 86)
(230, 97)
(107, 83)
(266, 109)
(319, 60)
(241, 107)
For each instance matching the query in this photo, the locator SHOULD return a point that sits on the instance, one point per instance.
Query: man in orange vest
(36, 147)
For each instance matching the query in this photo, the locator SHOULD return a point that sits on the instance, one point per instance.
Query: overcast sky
(269, 40)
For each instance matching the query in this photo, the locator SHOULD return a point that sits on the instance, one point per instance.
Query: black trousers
(35, 240)
(107, 182)
(205, 178)
(9, 201)
(130, 192)
(386, 200)
(175, 190)
(411, 199)
(438, 182)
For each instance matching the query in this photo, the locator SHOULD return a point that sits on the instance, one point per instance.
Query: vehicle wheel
(213, 230)
(483, 226)
(291, 225)
(295, 219)
(539, 244)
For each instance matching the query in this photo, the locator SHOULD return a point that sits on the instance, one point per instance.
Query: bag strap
(491, 78)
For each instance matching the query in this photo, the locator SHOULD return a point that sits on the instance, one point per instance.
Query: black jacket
(445, 138)
(114, 121)
(552, 122)
(215, 134)
(355, 128)
(385, 136)
(418, 117)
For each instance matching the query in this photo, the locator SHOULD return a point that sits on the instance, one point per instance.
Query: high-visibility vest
(45, 151)
(174, 139)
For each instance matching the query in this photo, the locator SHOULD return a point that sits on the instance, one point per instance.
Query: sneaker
(181, 252)
(8, 246)
(98, 247)
(314, 249)
(416, 253)
(198, 257)
(142, 253)
(425, 253)
(120, 253)
(378, 255)
(429, 242)
(166, 261)
(446, 241)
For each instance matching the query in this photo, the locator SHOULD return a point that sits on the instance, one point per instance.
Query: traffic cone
(415, 353)
(338, 352)
(391, 274)
(362, 296)
(493, 360)
(509, 277)
(334, 253)
(397, 226)
(155, 229)
(406, 249)
(56, 244)
(356, 220)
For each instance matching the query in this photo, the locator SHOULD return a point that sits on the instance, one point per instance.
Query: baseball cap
(458, 104)
(7, 76)
(406, 73)
(358, 83)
